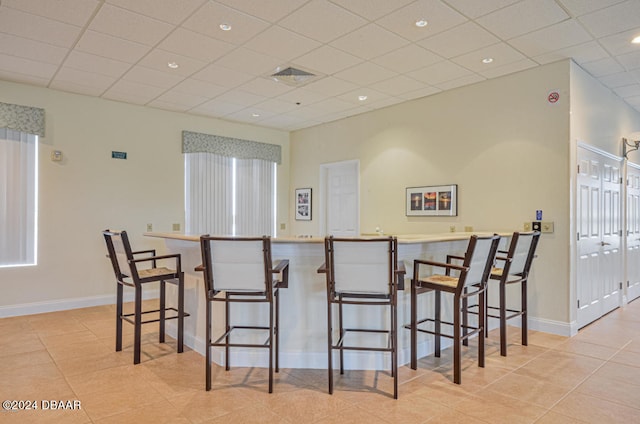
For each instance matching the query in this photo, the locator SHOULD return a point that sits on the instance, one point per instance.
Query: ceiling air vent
(293, 76)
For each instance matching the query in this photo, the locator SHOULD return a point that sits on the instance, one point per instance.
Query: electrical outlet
(536, 226)
(149, 227)
(452, 228)
(547, 226)
(527, 226)
(468, 229)
(283, 226)
(176, 227)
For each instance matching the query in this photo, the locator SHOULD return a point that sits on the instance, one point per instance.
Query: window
(18, 198)
(230, 185)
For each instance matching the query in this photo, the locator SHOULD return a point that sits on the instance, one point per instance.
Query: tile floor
(593, 377)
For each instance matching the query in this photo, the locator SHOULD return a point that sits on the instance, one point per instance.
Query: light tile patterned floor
(593, 377)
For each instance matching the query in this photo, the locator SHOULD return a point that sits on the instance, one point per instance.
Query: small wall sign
(118, 155)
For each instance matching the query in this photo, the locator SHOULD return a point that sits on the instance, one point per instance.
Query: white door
(633, 231)
(340, 198)
(599, 270)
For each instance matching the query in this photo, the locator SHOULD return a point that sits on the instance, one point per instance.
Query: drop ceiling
(367, 54)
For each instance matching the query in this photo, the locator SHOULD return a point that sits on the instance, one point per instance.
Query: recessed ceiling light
(362, 98)
(225, 27)
(636, 40)
(421, 23)
(255, 115)
(487, 60)
(173, 65)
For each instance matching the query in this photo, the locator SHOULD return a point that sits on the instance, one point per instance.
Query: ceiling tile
(265, 87)
(633, 101)
(240, 97)
(133, 92)
(195, 45)
(587, 52)
(628, 90)
(398, 85)
(188, 101)
(111, 47)
(439, 16)
(459, 40)
(73, 87)
(29, 49)
(439, 73)
(271, 11)
(369, 42)
(619, 79)
(509, 68)
(88, 79)
(322, 21)
(372, 9)
(603, 67)
(159, 60)
(372, 96)
(501, 54)
(276, 105)
(172, 11)
(303, 96)
(580, 7)
(281, 43)
(630, 61)
(617, 18)
(249, 62)
(37, 28)
(552, 38)
(475, 8)
(96, 64)
(130, 26)
(621, 43)
(173, 107)
(407, 59)
(522, 17)
(140, 74)
(417, 94)
(21, 78)
(223, 76)
(327, 60)
(199, 88)
(74, 12)
(330, 86)
(27, 67)
(365, 73)
(207, 21)
(460, 82)
(218, 108)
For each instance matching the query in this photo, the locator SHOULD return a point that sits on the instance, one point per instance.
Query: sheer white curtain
(18, 197)
(229, 196)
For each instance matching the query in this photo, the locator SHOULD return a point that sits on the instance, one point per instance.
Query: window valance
(193, 142)
(25, 119)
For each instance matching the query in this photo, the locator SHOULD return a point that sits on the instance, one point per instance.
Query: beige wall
(88, 191)
(504, 145)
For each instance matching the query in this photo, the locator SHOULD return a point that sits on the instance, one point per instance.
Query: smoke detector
(293, 76)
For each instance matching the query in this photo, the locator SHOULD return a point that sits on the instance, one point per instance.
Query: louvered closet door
(633, 231)
(599, 268)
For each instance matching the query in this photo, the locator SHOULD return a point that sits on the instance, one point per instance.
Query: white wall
(88, 191)
(505, 146)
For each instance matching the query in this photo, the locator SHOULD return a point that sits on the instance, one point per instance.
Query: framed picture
(432, 200)
(303, 204)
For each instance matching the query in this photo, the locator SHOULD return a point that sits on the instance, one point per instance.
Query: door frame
(324, 171)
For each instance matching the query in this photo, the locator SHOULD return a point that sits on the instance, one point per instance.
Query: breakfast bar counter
(303, 309)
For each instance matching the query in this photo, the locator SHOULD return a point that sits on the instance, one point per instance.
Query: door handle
(604, 243)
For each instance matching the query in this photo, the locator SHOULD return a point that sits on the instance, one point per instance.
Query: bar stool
(363, 272)
(239, 270)
(135, 269)
(515, 269)
(470, 281)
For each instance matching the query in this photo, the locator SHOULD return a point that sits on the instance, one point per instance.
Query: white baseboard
(65, 304)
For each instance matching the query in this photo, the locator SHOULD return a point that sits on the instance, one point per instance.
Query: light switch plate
(546, 226)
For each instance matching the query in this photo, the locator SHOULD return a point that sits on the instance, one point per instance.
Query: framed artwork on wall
(303, 204)
(432, 200)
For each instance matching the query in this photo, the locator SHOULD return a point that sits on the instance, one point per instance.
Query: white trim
(600, 152)
(66, 304)
(553, 327)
